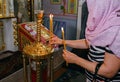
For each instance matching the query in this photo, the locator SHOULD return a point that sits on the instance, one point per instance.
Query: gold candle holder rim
(36, 55)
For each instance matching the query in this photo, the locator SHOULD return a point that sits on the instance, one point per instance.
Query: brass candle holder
(38, 49)
(39, 24)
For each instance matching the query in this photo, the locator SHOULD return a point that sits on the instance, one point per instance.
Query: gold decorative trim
(15, 33)
(38, 49)
(2, 44)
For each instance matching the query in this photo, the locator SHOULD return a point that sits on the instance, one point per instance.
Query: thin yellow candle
(63, 36)
(51, 24)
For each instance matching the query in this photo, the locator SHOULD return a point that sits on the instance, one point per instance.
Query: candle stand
(39, 53)
(39, 64)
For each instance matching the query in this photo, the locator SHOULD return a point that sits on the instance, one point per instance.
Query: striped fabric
(96, 53)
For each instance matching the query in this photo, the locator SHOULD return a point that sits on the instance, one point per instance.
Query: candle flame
(62, 29)
(51, 15)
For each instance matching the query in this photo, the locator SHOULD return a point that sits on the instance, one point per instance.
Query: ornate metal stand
(38, 52)
(39, 63)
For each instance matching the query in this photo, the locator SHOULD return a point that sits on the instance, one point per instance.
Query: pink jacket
(103, 25)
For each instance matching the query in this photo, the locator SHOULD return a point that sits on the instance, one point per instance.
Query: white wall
(8, 35)
(79, 18)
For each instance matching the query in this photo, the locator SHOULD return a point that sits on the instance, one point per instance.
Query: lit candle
(51, 25)
(63, 38)
(64, 41)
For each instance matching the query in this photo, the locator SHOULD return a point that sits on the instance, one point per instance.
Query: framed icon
(72, 6)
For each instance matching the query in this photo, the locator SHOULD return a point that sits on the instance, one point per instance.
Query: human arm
(109, 68)
(81, 44)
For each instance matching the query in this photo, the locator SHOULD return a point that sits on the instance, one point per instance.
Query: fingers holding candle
(69, 57)
(56, 40)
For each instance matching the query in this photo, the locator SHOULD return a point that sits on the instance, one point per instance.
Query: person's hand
(55, 40)
(69, 57)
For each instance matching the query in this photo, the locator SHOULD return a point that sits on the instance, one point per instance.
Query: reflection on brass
(2, 44)
(2, 47)
(1, 8)
(51, 69)
(38, 68)
(38, 49)
(38, 52)
(39, 24)
(4, 8)
(15, 36)
(25, 69)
